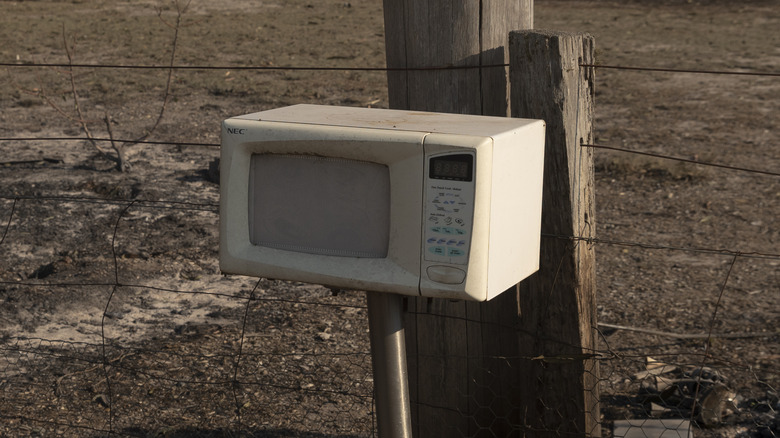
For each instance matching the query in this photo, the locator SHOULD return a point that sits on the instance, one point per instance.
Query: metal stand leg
(388, 356)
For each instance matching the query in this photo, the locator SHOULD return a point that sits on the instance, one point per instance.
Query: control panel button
(446, 274)
(438, 250)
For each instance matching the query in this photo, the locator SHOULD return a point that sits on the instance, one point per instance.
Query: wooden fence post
(463, 33)
(557, 307)
(461, 376)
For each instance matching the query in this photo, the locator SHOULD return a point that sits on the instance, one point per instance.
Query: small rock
(102, 400)
(717, 403)
(212, 175)
(43, 271)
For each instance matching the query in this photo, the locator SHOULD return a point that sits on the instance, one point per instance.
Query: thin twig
(174, 45)
(10, 218)
(122, 164)
(82, 121)
(74, 90)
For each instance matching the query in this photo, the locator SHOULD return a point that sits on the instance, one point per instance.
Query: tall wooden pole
(462, 33)
(557, 306)
(460, 380)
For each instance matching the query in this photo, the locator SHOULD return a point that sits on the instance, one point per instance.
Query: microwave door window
(319, 205)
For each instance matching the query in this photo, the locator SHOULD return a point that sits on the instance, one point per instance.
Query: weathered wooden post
(557, 306)
(458, 33)
(461, 376)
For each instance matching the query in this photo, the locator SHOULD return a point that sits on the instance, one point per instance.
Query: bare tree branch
(180, 10)
(123, 164)
(82, 121)
(119, 156)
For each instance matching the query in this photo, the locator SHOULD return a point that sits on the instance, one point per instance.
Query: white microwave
(407, 202)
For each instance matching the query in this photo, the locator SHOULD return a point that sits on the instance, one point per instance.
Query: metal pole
(388, 357)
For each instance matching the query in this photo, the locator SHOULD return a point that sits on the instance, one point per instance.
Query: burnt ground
(110, 293)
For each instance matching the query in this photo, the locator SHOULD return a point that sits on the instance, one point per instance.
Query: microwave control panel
(449, 209)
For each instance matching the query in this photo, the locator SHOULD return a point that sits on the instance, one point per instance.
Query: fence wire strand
(683, 160)
(366, 68)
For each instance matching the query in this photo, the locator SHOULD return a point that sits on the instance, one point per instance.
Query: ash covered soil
(110, 292)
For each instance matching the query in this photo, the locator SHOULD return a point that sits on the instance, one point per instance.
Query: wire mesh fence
(100, 352)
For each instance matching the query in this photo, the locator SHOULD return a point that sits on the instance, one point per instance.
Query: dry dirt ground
(110, 293)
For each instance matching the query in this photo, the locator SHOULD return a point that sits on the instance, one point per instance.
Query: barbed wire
(147, 203)
(680, 159)
(214, 208)
(645, 245)
(680, 70)
(122, 284)
(364, 69)
(251, 68)
(115, 140)
(217, 145)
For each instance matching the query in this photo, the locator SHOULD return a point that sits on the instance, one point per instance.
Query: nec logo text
(239, 131)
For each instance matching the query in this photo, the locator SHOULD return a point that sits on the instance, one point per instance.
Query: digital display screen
(453, 167)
